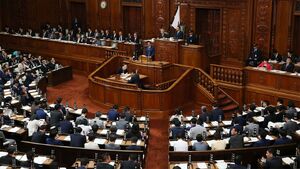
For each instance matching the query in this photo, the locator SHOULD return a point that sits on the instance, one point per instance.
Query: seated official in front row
(123, 69)
(135, 78)
(288, 66)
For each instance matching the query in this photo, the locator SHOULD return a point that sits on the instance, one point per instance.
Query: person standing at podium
(179, 33)
(191, 39)
(150, 51)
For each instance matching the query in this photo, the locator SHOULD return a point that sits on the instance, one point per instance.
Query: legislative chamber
(140, 84)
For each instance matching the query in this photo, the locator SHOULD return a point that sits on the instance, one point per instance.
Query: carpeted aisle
(77, 90)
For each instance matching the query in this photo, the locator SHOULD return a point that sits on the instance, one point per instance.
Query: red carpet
(77, 90)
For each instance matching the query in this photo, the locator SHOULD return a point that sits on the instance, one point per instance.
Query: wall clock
(103, 4)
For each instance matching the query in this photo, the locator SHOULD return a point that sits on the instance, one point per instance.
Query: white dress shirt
(180, 145)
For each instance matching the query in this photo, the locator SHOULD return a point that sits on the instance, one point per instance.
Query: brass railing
(110, 53)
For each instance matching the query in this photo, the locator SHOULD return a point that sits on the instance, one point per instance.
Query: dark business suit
(191, 39)
(135, 79)
(290, 127)
(120, 71)
(150, 51)
(283, 140)
(216, 113)
(176, 131)
(66, 127)
(129, 165)
(55, 117)
(278, 58)
(77, 140)
(261, 143)
(289, 68)
(179, 35)
(274, 163)
(104, 166)
(38, 137)
(236, 141)
(133, 147)
(254, 58)
(6, 160)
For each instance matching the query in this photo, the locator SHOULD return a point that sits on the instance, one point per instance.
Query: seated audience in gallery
(262, 139)
(180, 144)
(288, 66)
(275, 56)
(218, 144)
(255, 56)
(283, 139)
(200, 144)
(177, 129)
(264, 64)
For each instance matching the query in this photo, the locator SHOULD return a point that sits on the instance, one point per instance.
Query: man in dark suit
(262, 140)
(10, 157)
(177, 130)
(179, 33)
(217, 113)
(77, 140)
(131, 163)
(135, 38)
(66, 126)
(255, 56)
(290, 126)
(39, 136)
(163, 33)
(288, 66)
(135, 78)
(272, 162)
(107, 34)
(276, 56)
(283, 139)
(150, 51)
(191, 39)
(122, 69)
(56, 116)
(205, 116)
(112, 114)
(236, 140)
(121, 37)
(104, 164)
(111, 144)
(133, 145)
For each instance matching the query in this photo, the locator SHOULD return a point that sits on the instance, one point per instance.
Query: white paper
(27, 108)
(221, 165)
(2, 153)
(100, 141)
(112, 163)
(172, 143)
(182, 166)
(214, 123)
(268, 137)
(25, 119)
(120, 132)
(40, 160)
(202, 165)
(298, 132)
(253, 139)
(52, 105)
(103, 116)
(14, 129)
(78, 111)
(210, 142)
(295, 121)
(287, 160)
(259, 118)
(227, 122)
(118, 141)
(4, 126)
(21, 157)
(205, 125)
(143, 118)
(189, 118)
(104, 131)
(14, 101)
(67, 138)
(139, 142)
(212, 132)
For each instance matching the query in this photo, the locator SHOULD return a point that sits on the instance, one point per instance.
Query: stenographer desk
(172, 93)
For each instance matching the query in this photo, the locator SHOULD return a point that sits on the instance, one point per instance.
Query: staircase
(226, 103)
(209, 87)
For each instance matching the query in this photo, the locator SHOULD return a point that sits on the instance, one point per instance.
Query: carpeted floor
(76, 90)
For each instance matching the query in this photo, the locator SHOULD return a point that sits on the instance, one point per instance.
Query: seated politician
(149, 51)
(123, 69)
(163, 33)
(288, 66)
(276, 56)
(135, 78)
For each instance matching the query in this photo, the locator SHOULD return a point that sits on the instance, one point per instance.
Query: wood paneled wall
(270, 23)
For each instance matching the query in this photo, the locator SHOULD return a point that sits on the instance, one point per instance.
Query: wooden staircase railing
(206, 82)
(110, 53)
(227, 74)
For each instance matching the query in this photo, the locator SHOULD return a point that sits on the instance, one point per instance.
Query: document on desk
(226, 122)
(14, 129)
(67, 138)
(104, 131)
(2, 153)
(139, 142)
(259, 118)
(202, 165)
(100, 141)
(221, 165)
(40, 159)
(21, 157)
(287, 160)
(268, 137)
(143, 118)
(214, 123)
(182, 165)
(120, 132)
(118, 141)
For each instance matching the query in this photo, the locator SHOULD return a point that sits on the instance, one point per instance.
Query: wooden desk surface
(125, 80)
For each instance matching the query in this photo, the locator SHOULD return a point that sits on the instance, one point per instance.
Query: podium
(167, 50)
